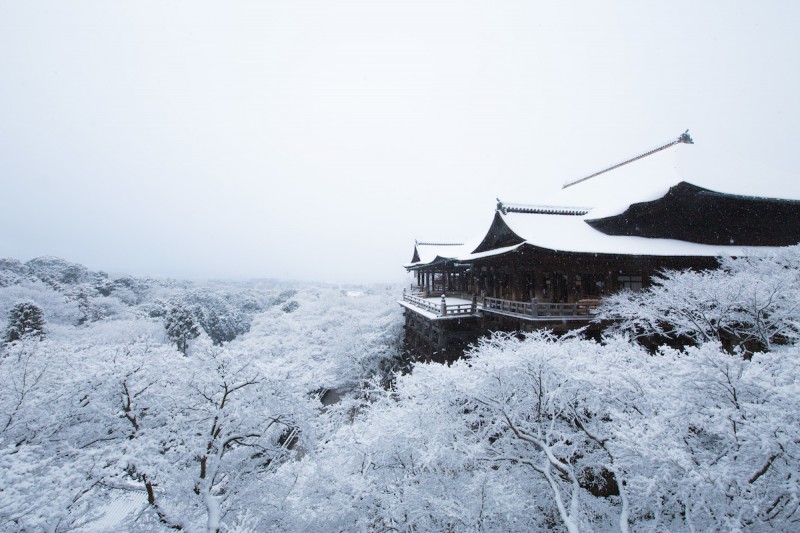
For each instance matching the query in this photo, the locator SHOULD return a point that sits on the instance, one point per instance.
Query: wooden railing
(585, 308)
(422, 303)
(416, 290)
(460, 309)
(441, 308)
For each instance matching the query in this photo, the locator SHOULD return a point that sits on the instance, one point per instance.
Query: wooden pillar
(514, 280)
(568, 287)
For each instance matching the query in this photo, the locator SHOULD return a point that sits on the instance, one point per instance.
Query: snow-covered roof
(572, 234)
(556, 224)
(566, 230)
(642, 207)
(695, 214)
(612, 193)
(428, 252)
(489, 253)
(655, 192)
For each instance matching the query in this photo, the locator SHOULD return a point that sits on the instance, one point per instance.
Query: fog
(317, 140)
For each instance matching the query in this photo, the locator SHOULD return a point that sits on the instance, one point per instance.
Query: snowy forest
(139, 404)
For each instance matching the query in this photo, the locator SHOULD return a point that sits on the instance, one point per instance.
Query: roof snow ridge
(683, 138)
(506, 208)
(419, 243)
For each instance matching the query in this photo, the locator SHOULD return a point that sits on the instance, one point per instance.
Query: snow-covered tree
(567, 435)
(223, 314)
(526, 434)
(25, 319)
(181, 325)
(748, 303)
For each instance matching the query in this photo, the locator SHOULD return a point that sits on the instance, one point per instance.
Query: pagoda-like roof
(428, 252)
(687, 221)
(567, 233)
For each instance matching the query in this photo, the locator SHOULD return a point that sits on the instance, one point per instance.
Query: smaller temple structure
(540, 266)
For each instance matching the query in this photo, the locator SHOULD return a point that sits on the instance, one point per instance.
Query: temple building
(540, 266)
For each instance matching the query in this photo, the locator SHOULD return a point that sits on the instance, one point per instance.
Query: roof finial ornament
(500, 206)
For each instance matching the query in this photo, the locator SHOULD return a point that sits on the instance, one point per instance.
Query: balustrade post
(443, 311)
(534, 307)
(474, 303)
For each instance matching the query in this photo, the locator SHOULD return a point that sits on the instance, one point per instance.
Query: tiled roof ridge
(506, 208)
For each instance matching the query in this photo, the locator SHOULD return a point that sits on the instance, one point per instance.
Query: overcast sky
(317, 140)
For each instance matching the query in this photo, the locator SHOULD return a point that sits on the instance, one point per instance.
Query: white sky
(317, 140)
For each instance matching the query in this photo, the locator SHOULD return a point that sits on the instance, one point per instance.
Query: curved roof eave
(499, 235)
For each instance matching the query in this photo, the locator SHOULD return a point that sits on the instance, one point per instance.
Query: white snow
(122, 505)
(430, 252)
(573, 234)
(642, 181)
(570, 233)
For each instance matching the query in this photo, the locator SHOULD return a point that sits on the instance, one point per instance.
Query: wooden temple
(550, 266)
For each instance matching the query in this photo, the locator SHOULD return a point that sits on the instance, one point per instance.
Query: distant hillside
(71, 294)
